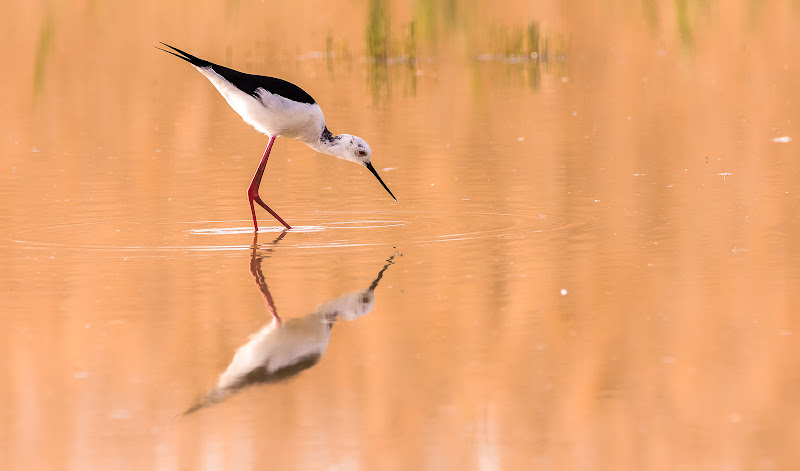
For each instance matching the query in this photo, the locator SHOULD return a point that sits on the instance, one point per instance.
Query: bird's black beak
(372, 169)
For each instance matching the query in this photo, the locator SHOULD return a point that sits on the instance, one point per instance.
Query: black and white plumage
(276, 108)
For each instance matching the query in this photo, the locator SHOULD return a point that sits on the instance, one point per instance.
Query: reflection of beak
(372, 169)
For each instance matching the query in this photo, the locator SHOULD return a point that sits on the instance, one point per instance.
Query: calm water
(592, 262)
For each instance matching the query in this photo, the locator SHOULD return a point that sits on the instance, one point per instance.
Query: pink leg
(252, 190)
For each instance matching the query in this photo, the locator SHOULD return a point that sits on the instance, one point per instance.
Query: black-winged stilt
(276, 107)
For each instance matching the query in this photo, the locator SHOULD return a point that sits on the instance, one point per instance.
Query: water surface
(592, 256)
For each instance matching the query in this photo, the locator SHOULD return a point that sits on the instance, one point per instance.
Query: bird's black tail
(195, 61)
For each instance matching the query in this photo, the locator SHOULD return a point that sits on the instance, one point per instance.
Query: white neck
(337, 146)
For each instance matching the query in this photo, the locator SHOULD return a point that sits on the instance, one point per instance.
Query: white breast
(271, 114)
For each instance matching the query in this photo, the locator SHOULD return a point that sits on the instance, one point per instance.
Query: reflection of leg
(252, 190)
(274, 242)
(374, 284)
(258, 275)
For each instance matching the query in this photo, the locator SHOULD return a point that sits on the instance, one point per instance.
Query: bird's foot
(254, 197)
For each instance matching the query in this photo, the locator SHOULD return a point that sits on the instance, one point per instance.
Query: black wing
(259, 376)
(248, 83)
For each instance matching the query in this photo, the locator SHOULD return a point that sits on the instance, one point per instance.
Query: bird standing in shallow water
(276, 107)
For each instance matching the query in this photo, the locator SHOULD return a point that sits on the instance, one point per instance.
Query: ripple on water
(322, 230)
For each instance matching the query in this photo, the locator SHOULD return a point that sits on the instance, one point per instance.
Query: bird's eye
(362, 153)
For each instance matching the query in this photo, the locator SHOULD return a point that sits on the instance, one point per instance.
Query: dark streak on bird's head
(326, 136)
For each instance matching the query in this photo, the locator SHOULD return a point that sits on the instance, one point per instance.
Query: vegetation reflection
(396, 56)
(524, 52)
(44, 48)
(390, 57)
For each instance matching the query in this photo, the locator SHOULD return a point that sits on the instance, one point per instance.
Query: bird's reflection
(283, 348)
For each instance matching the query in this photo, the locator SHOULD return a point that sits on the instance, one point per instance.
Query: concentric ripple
(321, 230)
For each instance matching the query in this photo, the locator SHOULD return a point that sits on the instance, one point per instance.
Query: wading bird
(276, 108)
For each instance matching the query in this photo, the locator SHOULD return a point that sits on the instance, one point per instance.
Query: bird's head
(355, 149)
(349, 306)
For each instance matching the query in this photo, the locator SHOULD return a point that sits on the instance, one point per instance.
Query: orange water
(594, 250)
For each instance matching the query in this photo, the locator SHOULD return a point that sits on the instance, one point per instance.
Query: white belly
(271, 114)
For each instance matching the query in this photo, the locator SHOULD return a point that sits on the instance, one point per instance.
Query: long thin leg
(252, 190)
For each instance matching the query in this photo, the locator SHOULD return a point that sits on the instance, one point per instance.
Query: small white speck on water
(596, 201)
(574, 113)
(169, 200)
(431, 184)
(35, 149)
(120, 414)
(563, 291)
(158, 150)
(81, 375)
(520, 138)
(564, 80)
(783, 139)
(629, 117)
